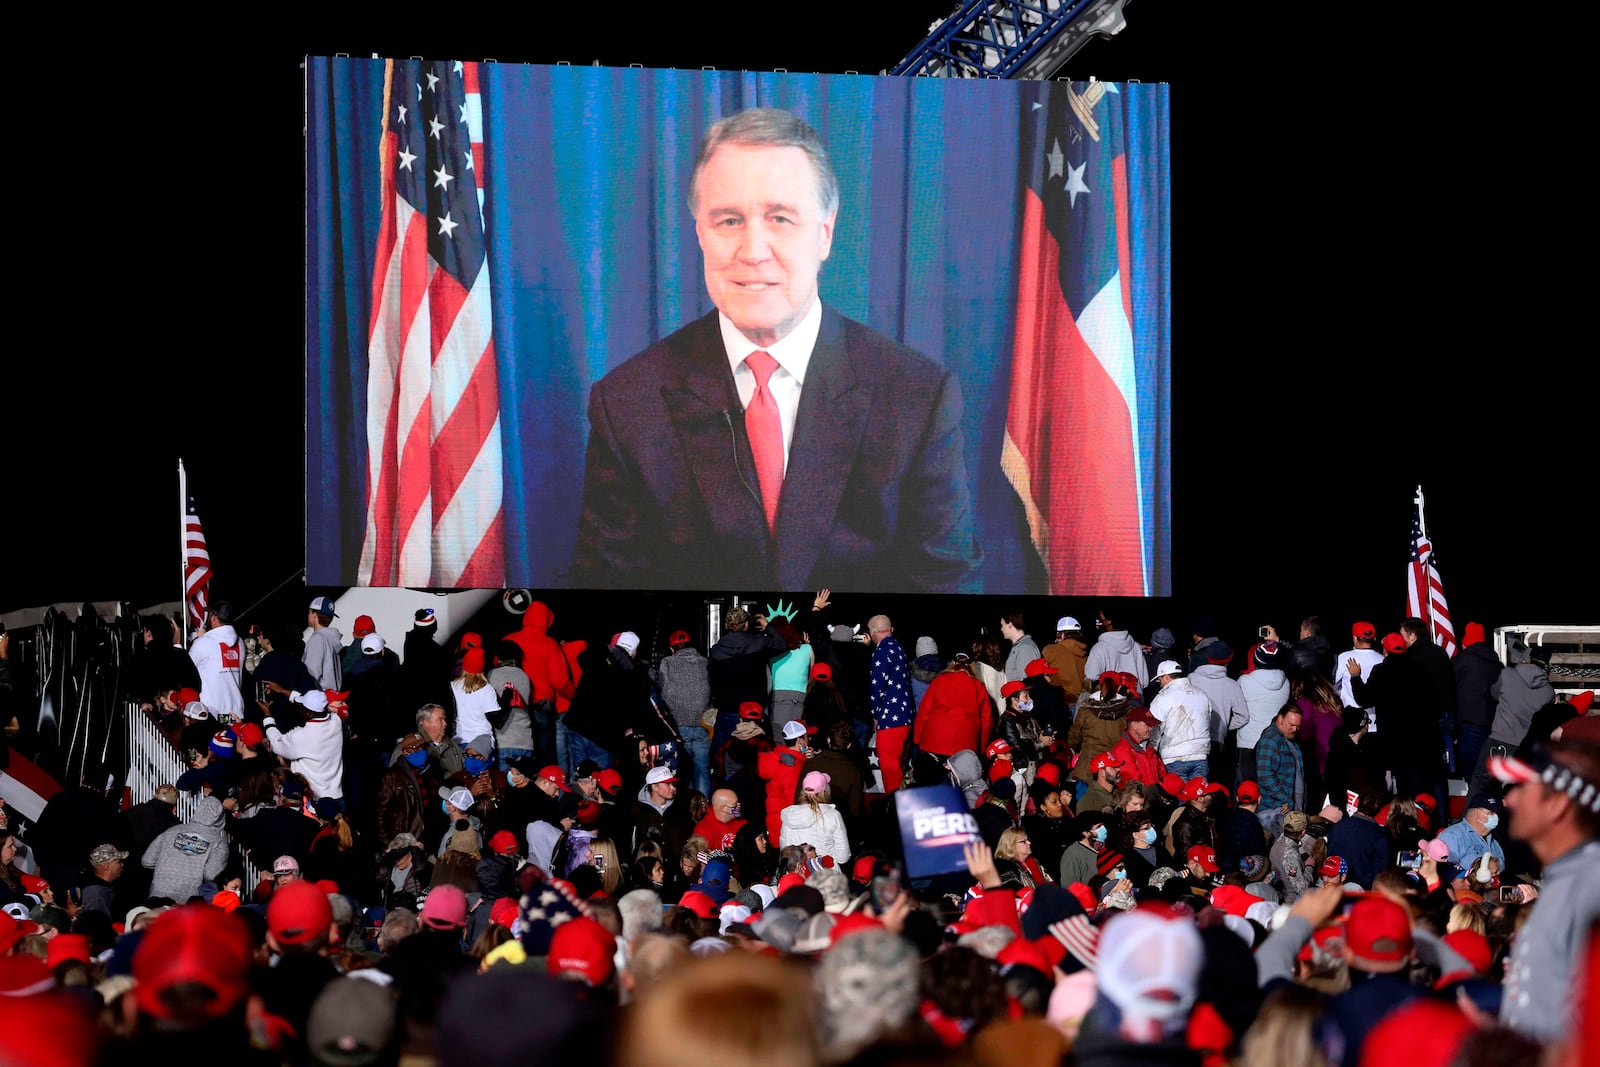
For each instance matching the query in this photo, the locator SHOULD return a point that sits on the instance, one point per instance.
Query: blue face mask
(1149, 835)
(1490, 822)
(1024, 705)
(444, 806)
(1099, 833)
(418, 759)
(476, 766)
(1119, 874)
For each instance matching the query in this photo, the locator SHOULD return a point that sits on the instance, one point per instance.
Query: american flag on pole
(1086, 393)
(1424, 591)
(434, 483)
(196, 567)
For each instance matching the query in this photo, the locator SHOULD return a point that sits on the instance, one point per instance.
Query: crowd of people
(511, 847)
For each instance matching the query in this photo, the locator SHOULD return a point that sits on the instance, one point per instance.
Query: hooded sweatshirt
(822, 829)
(549, 672)
(190, 853)
(1229, 709)
(1519, 692)
(1477, 668)
(218, 656)
(1117, 651)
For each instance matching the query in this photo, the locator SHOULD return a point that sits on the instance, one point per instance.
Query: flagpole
(183, 549)
(1427, 602)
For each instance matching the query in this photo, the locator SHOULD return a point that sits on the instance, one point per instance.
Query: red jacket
(1143, 766)
(780, 769)
(956, 713)
(542, 659)
(719, 834)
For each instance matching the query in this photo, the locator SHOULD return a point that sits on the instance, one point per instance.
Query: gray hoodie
(190, 853)
(1116, 650)
(1518, 692)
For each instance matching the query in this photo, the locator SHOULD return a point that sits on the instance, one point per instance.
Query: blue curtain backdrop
(593, 256)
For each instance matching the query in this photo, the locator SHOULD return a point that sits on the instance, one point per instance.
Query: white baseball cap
(793, 729)
(1067, 622)
(1169, 666)
(314, 701)
(627, 639)
(458, 798)
(658, 775)
(372, 644)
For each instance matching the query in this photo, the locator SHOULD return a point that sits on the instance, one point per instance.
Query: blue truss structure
(1010, 38)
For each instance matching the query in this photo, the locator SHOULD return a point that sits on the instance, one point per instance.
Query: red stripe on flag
(464, 432)
(1071, 425)
(1119, 191)
(446, 297)
(487, 568)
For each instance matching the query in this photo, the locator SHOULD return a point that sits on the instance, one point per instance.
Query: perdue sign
(935, 827)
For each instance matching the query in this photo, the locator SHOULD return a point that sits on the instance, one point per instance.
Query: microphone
(733, 442)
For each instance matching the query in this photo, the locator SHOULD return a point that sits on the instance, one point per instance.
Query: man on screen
(774, 444)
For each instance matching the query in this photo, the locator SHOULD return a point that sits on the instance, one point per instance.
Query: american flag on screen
(433, 508)
(1424, 591)
(1073, 419)
(196, 567)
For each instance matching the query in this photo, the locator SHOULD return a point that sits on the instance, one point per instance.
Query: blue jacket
(1364, 845)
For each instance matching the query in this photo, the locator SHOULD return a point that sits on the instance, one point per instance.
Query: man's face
(722, 805)
(433, 727)
(877, 636)
(1290, 725)
(1139, 731)
(763, 236)
(665, 790)
(1533, 808)
(1009, 632)
(547, 786)
(1109, 777)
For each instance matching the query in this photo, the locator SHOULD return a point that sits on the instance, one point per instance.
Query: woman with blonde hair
(1282, 1031)
(1013, 858)
(475, 698)
(815, 821)
(686, 1021)
(603, 856)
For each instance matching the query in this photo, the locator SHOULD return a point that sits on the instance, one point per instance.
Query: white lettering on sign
(936, 822)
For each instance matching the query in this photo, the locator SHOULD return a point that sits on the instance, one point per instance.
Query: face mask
(444, 806)
(1149, 835)
(733, 812)
(1491, 822)
(1099, 833)
(476, 766)
(1119, 874)
(1024, 705)
(418, 758)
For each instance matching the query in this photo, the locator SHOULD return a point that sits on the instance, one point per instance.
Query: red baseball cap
(1037, 667)
(364, 626)
(503, 912)
(199, 944)
(1249, 792)
(299, 912)
(1172, 785)
(861, 870)
(1000, 768)
(1377, 935)
(1394, 643)
(1335, 867)
(1364, 630)
(504, 842)
(474, 661)
(997, 746)
(556, 775)
(588, 813)
(1209, 788)
(750, 711)
(679, 637)
(1048, 772)
(1143, 715)
(1233, 900)
(699, 903)
(585, 947)
(64, 947)
(1011, 687)
(249, 734)
(1102, 761)
(32, 883)
(821, 672)
(1205, 856)
(609, 780)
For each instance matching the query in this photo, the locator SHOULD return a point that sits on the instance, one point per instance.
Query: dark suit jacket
(875, 495)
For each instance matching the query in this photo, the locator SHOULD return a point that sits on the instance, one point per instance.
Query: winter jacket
(1477, 668)
(823, 829)
(1365, 846)
(1140, 763)
(1184, 712)
(781, 769)
(1518, 692)
(955, 713)
(737, 667)
(612, 698)
(685, 685)
(1266, 691)
(1229, 709)
(1095, 729)
(1313, 653)
(549, 672)
(190, 853)
(966, 771)
(1117, 651)
(1289, 864)
(1193, 827)
(844, 786)
(1067, 656)
(1407, 723)
(1023, 652)
(924, 669)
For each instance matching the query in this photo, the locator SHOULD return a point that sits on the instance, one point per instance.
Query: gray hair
(641, 913)
(866, 986)
(425, 713)
(398, 925)
(774, 128)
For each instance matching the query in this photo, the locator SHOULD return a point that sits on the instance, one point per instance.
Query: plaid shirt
(1279, 769)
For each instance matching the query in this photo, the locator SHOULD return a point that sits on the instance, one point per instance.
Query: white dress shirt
(793, 353)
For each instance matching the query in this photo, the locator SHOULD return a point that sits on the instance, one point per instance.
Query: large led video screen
(580, 327)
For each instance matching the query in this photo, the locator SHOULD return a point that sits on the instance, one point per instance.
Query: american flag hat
(1540, 766)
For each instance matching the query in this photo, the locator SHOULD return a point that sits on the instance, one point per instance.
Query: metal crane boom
(1010, 38)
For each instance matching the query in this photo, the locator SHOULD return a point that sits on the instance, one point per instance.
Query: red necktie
(765, 430)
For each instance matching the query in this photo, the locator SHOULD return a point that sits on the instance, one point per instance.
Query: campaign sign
(935, 824)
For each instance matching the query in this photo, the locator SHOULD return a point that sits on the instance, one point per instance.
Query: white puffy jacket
(1184, 711)
(822, 830)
